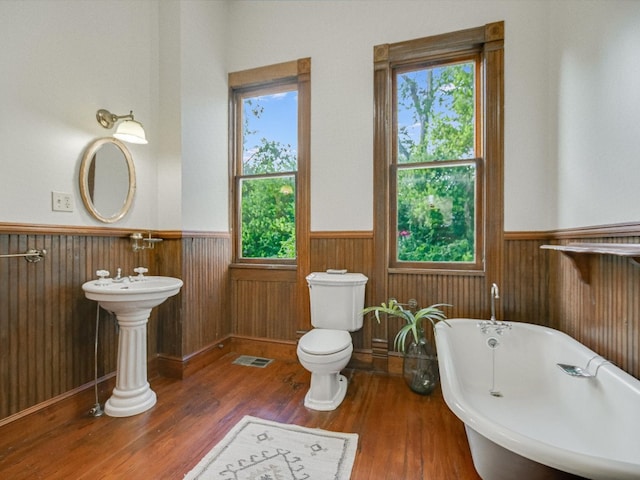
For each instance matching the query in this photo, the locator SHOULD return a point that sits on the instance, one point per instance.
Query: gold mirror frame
(85, 166)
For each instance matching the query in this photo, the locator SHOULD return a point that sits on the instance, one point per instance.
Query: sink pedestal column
(132, 393)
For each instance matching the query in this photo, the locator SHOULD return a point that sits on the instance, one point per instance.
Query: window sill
(436, 271)
(263, 266)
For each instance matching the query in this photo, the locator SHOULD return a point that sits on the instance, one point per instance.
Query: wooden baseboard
(175, 367)
(68, 405)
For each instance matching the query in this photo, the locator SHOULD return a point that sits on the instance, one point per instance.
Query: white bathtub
(538, 418)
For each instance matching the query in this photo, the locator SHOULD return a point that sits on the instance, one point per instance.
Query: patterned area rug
(257, 449)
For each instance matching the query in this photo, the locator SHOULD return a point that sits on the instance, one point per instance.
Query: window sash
(278, 212)
(471, 58)
(478, 263)
(395, 231)
(241, 95)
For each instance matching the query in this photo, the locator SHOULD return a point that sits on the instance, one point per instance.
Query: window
(266, 174)
(441, 162)
(436, 164)
(269, 137)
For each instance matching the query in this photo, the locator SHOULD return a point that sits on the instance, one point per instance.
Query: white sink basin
(131, 300)
(127, 295)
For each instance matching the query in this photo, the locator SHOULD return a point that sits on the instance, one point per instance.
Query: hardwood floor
(401, 435)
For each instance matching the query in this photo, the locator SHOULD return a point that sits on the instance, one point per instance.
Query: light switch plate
(61, 202)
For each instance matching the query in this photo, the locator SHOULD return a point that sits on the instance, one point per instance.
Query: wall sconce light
(129, 130)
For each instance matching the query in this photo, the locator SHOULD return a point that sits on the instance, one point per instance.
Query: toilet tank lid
(326, 278)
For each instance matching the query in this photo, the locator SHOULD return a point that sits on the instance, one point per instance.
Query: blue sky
(278, 120)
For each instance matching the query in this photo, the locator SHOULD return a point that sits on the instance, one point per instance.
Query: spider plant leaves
(413, 327)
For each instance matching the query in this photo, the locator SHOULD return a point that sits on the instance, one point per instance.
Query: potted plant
(420, 362)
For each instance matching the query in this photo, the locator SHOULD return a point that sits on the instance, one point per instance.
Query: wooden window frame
(488, 42)
(293, 75)
(472, 55)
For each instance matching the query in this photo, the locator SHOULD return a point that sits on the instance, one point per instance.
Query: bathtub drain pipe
(493, 343)
(96, 410)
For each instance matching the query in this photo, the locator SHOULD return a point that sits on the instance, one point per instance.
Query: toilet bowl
(325, 353)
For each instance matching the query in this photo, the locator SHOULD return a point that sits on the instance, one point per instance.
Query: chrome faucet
(493, 325)
(119, 278)
(495, 294)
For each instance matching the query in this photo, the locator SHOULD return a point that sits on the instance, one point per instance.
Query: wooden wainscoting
(544, 287)
(353, 251)
(264, 303)
(525, 294)
(191, 329)
(201, 260)
(47, 326)
(264, 299)
(604, 314)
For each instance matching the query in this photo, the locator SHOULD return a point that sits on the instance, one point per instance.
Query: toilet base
(326, 405)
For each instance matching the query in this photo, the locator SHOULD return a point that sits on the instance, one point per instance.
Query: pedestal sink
(131, 300)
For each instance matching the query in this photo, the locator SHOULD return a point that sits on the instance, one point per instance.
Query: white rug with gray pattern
(257, 449)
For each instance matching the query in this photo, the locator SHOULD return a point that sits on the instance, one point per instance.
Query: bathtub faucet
(494, 325)
(495, 293)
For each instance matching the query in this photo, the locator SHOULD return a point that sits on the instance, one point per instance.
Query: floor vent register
(249, 361)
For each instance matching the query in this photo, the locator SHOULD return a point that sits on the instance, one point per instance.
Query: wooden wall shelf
(580, 254)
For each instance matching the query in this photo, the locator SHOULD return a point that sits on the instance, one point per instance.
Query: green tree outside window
(267, 186)
(436, 169)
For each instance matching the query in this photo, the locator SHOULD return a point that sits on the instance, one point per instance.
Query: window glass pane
(268, 223)
(270, 133)
(436, 113)
(436, 213)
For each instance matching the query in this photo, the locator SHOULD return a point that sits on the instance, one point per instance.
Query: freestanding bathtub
(525, 417)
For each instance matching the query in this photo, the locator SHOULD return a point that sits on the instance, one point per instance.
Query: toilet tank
(337, 300)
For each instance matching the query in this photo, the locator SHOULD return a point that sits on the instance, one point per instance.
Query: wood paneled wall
(524, 297)
(353, 251)
(264, 303)
(264, 300)
(544, 287)
(604, 314)
(203, 316)
(47, 326)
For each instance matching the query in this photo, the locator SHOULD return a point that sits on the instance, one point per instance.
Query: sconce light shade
(129, 130)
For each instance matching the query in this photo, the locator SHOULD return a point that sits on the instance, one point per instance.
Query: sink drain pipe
(96, 410)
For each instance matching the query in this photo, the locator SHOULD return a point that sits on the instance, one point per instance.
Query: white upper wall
(595, 106)
(205, 182)
(61, 62)
(339, 36)
(570, 98)
(571, 103)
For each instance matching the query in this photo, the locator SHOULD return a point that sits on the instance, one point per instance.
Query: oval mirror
(107, 179)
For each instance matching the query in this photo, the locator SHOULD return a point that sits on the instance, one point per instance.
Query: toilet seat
(321, 341)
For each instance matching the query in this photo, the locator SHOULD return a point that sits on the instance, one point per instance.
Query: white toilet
(337, 300)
